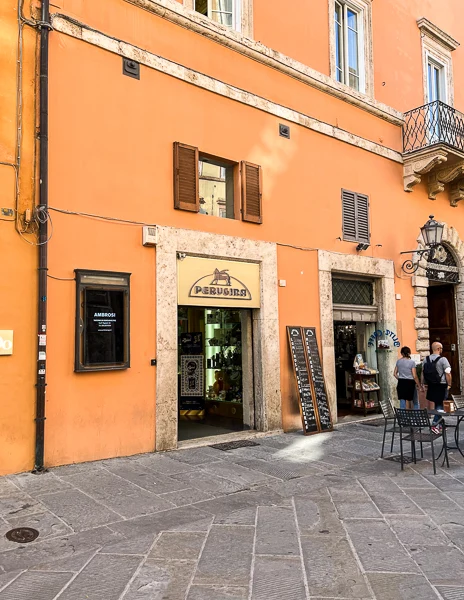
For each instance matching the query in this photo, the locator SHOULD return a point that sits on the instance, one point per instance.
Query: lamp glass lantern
(432, 232)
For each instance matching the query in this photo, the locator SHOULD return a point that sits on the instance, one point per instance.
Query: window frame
(432, 59)
(80, 333)
(437, 47)
(241, 15)
(363, 10)
(225, 164)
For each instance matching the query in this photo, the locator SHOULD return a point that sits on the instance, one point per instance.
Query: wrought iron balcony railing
(431, 124)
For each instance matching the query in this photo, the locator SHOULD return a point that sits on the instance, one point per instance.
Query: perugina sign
(210, 282)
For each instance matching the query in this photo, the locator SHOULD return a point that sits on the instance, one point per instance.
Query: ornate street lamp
(432, 233)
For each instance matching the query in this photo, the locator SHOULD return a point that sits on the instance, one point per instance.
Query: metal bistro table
(459, 414)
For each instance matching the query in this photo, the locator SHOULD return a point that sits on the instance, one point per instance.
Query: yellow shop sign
(211, 282)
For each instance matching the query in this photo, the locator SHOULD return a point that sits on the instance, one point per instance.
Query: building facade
(220, 171)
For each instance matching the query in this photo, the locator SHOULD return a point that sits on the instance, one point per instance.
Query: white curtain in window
(222, 11)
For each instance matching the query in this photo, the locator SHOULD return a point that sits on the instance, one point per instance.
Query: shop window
(352, 291)
(102, 321)
(209, 185)
(355, 214)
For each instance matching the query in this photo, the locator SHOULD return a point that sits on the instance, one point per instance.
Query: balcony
(432, 136)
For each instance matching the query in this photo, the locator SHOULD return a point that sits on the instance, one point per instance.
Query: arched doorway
(442, 272)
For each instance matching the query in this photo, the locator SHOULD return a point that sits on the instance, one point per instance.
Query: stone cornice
(178, 14)
(437, 34)
(71, 27)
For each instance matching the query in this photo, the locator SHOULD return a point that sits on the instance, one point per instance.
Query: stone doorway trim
(420, 284)
(383, 274)
(266, 349)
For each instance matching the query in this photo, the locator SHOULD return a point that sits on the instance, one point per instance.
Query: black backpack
(431, 374)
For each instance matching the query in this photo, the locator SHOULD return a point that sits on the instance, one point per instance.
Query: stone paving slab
(39, 586)
(226, 557)
(293, 518)
(201, 592)
(378, 548)
(389, 586)
(78, 510)
(275, 578)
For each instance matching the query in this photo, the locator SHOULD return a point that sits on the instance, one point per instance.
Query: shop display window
(102, 321)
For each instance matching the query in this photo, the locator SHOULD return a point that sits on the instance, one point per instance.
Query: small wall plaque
(6, 342)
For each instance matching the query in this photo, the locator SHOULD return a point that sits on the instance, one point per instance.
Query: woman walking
(405, 373)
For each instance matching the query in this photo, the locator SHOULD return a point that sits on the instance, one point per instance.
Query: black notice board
(300, 367)
(315, 370)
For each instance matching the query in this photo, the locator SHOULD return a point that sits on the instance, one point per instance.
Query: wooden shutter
(186, 196)
(362, 218)
(252, 208)
(355, 215)
(349, 215)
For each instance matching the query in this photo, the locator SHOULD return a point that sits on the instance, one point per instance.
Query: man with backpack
(436, 374)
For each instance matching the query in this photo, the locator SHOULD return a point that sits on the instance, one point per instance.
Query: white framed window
(351, 44)
(437, 63)
(224, 12)
(436, 80)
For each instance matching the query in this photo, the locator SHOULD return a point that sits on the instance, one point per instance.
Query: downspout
(43, 239)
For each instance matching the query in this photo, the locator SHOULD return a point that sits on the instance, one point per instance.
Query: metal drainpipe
(43, 237)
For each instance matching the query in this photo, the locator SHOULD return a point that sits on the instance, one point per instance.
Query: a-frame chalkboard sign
(312, 394)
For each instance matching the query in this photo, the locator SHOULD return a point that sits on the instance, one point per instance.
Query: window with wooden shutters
(252, 209)
(355, 214)
(186, 196)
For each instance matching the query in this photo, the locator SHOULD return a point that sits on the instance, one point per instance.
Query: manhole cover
(22, 535)
(397, 458)
(233, 445)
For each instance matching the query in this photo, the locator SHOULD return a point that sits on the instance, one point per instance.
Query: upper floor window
(225, 12)
(437, 47)
(348, 42)
(351, 47)
(216, 186)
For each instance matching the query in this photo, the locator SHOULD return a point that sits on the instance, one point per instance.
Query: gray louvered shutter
(186, 178)
(362, 218)
(252, 208)
(349, 215)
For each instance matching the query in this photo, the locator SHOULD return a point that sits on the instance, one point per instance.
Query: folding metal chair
(389, 416)
(411, 424)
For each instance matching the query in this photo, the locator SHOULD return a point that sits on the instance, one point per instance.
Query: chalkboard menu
(315, 369)
(300, 367)
(314, 406)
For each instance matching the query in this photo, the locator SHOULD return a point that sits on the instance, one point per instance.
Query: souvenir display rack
(365, 391)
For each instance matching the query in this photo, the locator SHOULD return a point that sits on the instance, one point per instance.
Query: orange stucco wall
(111, 154)
(18, 265)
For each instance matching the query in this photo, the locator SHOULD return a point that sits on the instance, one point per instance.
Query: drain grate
(397, 458)
(234, 445)
(22, 535)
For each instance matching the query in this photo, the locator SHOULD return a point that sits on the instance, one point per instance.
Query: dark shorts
(437, 392)
(405, 389)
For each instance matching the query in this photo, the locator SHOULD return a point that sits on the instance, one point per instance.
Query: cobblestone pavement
(291, 518)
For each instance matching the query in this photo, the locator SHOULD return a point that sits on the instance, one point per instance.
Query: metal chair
(389, 415)
(414, 421)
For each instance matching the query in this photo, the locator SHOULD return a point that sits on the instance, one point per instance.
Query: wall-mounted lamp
(432, 233)
(181, 255)
(362, 246)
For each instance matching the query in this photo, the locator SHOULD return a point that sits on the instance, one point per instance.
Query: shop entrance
(357, 393)
(215, 375)
(443, 326)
